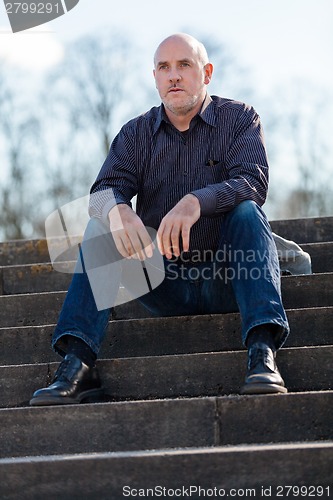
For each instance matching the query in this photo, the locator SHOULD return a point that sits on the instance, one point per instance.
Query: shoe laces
(258, 356)
(65, 370)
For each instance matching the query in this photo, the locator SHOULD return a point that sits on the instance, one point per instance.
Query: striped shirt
(221, 159)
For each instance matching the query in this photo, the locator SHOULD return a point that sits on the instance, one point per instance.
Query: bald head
(181, 72)
(183, 38)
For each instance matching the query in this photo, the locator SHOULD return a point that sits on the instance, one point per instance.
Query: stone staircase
(172, 418)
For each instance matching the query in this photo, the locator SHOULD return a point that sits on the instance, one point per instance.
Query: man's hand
(129, 233)
(177, 223)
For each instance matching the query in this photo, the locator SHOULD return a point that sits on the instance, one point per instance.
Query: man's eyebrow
(161, 63)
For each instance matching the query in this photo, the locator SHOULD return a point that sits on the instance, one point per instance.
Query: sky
(280, 41)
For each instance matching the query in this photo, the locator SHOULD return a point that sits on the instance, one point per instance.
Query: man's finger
(136, 245)
(163, 240)
(168, 240)
(160, 239)
(167, 245)
(122, 244)
(146, 242)
(186, 238)
(174, 236)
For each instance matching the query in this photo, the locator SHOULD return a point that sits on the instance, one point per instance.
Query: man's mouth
(176, 89)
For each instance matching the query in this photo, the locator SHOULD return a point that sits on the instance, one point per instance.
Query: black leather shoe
(263, 376)
(73, 382)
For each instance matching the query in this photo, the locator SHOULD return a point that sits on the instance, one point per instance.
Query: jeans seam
(77, 334)
(282, 336)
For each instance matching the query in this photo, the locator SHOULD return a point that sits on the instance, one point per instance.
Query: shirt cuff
(109, 205)
(106, 209)
(207, 200)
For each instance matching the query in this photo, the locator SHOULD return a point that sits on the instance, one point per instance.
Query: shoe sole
(263, 389)
(92, 394)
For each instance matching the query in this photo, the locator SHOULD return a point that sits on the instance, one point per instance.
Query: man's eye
(184, 64)
(164, 66)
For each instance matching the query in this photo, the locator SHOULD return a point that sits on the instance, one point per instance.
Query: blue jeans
(243, 275)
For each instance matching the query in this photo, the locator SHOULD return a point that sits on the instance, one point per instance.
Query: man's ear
(154, 74)
(208, 73)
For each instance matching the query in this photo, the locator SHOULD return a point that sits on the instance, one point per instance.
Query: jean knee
(95, 227)
(246, 210)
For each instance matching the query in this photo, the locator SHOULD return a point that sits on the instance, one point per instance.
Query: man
(199, 169)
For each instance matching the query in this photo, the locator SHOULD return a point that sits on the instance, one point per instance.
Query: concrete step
(19, 252)
(172, 414)
(321, 256)
(30, 309)
(23, 252)
(161, 336)
(304, 291)
(34, 278)
(41, 277)
(170, 423)
(307, 230)
(183, 375)
(110, 427)
(314, 290)
(237, 471)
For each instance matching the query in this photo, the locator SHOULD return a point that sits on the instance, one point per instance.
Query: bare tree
(78, 112)
(94, 84)
(19, 131)
(86, 97)
(303, 148)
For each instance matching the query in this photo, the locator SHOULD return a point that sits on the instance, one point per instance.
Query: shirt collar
(206, 114)
(161, 116)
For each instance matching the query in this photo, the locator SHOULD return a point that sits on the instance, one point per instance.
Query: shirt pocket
(215, 172)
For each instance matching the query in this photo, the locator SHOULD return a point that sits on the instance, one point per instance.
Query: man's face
(180, 77)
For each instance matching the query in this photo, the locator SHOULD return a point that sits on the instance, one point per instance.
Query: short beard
(184, 109)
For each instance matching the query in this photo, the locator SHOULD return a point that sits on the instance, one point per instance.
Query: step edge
(171, 401)
(195, 354)
(166, 318)
(243, 448)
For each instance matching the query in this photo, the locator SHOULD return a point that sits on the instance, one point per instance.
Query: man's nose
(174, 75)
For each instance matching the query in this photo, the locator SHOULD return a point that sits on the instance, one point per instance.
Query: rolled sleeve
(117, 180)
